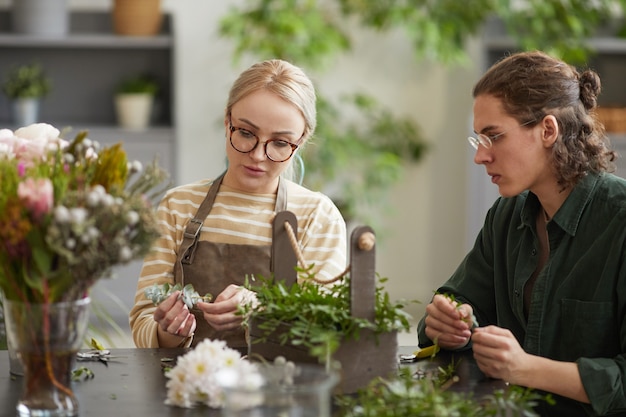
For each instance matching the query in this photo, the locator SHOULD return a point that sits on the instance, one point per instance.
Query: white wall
(425, 235)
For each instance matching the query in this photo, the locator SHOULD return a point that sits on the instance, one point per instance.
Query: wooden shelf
(86, 66)
(86, 40)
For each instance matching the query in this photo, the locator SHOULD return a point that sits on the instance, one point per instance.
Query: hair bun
(590, 88)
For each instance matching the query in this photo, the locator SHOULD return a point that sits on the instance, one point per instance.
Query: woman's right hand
(448, 324)
(173, 316)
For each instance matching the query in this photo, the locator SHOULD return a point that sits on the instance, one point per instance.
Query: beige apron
(211, 267)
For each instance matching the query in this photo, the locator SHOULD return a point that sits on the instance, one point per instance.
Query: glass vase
(46, 338)
(306, 391)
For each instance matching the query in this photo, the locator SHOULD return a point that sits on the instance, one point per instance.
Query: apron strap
(193, 228)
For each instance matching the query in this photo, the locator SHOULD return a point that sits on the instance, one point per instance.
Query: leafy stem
(471, 320)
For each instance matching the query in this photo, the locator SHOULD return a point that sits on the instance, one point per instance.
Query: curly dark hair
(532, 85)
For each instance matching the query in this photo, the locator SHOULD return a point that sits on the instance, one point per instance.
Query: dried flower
(69, 212)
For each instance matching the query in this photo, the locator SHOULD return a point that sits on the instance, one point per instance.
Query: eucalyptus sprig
(158, 293)
(318, 317)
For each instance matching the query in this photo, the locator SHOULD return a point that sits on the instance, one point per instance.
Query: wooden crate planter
(361, 360)
(371, 355)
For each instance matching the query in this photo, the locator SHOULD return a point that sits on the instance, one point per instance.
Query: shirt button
(517, 293)
(533, 252)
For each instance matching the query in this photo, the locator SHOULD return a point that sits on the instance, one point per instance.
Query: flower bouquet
(69, 212)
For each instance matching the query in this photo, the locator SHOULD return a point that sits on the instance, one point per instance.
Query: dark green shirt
(578, 302)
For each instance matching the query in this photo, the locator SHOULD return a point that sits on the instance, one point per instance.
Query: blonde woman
(269, 116)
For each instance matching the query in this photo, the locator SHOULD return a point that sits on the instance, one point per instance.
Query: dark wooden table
(133, 384)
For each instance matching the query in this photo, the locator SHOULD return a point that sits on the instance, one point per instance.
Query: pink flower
(31, 143)
(37, 195)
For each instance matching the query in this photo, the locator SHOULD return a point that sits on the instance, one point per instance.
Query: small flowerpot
(134, 110)
(137, 17)
(40, 17)
(25, 111)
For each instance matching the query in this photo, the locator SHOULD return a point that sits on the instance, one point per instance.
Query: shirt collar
(569, 214)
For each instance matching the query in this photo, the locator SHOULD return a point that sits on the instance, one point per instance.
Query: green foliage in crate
(319, 317)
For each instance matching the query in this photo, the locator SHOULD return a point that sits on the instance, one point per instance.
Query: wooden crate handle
(284, 259)
(363, 273)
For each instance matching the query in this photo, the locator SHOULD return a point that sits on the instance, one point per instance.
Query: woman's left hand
(221, 314)
(499, 354)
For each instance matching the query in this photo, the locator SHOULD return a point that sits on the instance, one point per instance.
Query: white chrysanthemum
(196, 377)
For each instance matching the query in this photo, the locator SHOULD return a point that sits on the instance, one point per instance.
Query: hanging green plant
(361, 149)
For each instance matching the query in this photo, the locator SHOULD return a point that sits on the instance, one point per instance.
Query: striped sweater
(236, 218)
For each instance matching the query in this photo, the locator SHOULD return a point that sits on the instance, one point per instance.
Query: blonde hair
(283, 79)
(288, 82)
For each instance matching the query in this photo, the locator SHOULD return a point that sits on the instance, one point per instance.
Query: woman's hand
(174, 317)
(499, 354)
(447, 323)
(222, 313)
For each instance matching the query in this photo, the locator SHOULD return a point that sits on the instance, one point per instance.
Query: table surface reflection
(133, 383)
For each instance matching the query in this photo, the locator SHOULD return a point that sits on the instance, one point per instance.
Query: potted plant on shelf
(25, 86)
(134, 101)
